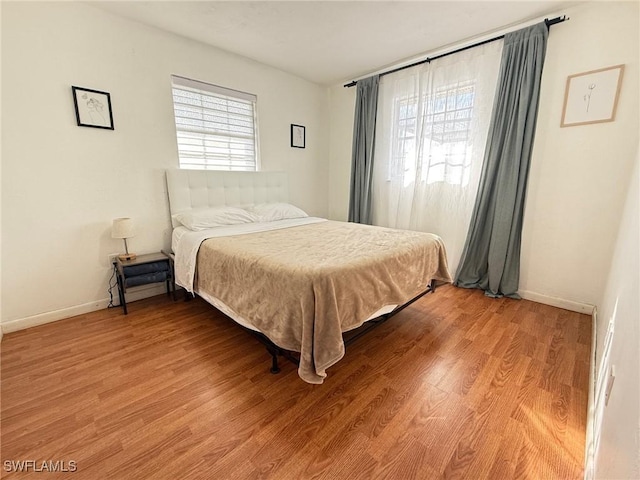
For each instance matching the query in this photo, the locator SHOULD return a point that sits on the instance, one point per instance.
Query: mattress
(303, 283)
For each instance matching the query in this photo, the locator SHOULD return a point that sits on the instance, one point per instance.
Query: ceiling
(329, 42)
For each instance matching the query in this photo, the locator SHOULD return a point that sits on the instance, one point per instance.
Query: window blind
(215, 126)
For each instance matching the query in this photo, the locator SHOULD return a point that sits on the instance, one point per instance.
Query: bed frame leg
(274, 360)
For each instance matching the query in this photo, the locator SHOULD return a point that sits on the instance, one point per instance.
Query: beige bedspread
(303, 286)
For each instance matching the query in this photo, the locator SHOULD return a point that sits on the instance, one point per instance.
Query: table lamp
(123, 228)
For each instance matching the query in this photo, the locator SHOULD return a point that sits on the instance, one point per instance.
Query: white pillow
(270, 212)
(215, 217)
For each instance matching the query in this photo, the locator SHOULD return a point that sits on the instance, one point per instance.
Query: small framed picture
(297, 136)
(592, 97)
(93, 108)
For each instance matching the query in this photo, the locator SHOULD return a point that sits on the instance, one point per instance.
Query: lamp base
(127, 256)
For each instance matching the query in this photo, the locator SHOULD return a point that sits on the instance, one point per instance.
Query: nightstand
(143, 270)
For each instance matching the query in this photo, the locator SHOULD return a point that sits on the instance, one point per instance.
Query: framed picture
(93, 108)
(297, 136)
(592, 97)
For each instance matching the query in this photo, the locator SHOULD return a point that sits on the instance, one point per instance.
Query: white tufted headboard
(189, 189)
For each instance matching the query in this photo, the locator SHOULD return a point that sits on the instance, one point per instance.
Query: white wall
(619, 452)
(63, 184)
(341, 107)
(579, 175)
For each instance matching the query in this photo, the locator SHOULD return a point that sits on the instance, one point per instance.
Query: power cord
(113, 283)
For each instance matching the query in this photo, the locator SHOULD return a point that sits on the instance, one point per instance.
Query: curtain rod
(548, 23)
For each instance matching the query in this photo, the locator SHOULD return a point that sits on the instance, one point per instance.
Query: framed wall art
(592, 97)
(297, 136)
(93, 108)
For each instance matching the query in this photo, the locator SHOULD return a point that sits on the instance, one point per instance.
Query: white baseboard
(557, 302)
(589, 444)
(47, 317)
(53, 316)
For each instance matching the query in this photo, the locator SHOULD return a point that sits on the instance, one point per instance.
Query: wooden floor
(457, 385)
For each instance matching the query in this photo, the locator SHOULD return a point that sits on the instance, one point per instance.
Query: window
(431, 135)
(216, 127)
(444, 144)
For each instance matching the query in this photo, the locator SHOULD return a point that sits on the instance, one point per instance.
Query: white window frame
(209, 141)
(408, 112)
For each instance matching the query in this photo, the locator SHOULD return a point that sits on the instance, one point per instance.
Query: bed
(299, 282)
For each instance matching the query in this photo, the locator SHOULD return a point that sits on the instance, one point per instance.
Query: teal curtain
(491, 255)
(364, 132)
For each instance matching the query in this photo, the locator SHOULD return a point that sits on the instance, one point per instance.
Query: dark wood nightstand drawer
(143, 270)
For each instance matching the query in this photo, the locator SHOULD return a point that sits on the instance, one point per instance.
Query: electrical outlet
(112, 258)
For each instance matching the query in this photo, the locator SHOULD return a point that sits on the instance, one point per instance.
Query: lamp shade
(122, 228)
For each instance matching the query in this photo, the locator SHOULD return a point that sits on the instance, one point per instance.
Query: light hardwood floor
(456, 386)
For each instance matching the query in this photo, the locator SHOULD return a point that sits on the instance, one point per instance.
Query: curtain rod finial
(552, 21)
